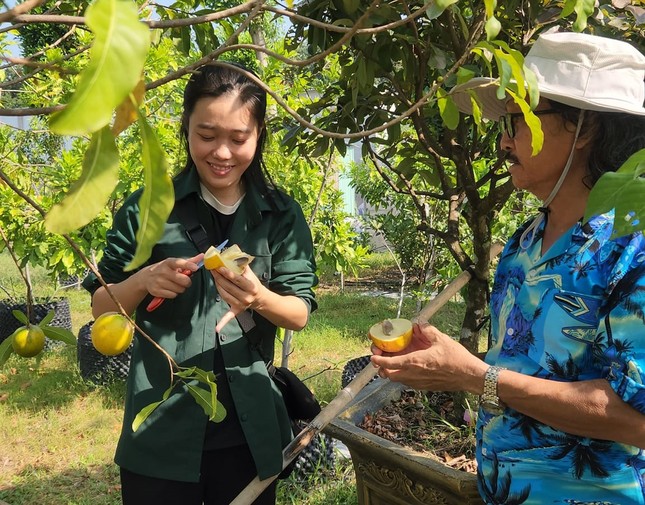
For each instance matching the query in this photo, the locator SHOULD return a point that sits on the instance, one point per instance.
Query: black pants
(224, 474)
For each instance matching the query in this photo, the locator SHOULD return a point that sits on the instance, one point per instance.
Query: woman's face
(539, 174)
(222, 139)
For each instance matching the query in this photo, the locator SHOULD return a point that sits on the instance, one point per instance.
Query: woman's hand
(170, 277)
(434, 362)
(165, 279)
(241, 291)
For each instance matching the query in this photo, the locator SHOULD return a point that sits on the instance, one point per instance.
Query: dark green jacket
(169, 443)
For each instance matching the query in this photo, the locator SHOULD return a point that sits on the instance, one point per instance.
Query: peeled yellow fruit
(232, 258)
(391, 335)
(27, 341)
(111, 333)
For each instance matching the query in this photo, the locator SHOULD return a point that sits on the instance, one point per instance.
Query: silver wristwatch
(489, 400)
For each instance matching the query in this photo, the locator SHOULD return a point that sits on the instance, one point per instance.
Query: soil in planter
(425, 422)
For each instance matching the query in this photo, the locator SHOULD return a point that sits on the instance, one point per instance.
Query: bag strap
(186, 210)
(187, 213)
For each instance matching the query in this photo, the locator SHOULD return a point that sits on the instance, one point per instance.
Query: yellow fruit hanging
(112, 333)
(28, 341)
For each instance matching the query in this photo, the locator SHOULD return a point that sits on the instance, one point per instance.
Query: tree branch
(19, 9)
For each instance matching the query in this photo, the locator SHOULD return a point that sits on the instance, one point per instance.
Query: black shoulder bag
(301, 403)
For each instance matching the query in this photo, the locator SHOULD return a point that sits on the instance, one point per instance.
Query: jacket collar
(187, 183)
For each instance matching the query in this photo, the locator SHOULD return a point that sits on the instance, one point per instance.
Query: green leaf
(166, 393)
(532, 121)
(492, 27)
(61, 334)
(203, 399)
(464, 75)
(622, 191)
(21, 316)
(515, 62)
(115, 66)
(91, 192)
(490, 7)
(584, 9)
(568, 7)
(207, 377)
(437, 7)
(157, 199)
(143, 414)
(510, 69)
(220, 413)
(186, 373)
(47, 319)
(207, 399)
(448, 110)
(351, 6)
(6, 349)
(184, 47)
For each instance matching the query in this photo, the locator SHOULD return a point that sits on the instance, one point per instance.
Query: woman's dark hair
(213, 80)
(615, 136)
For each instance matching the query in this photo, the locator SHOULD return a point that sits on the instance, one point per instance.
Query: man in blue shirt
(562, 411)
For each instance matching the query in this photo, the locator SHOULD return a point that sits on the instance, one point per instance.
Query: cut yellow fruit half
(391, 335)
(232, 258)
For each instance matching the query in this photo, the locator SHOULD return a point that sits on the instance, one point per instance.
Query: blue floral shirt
(575, 313)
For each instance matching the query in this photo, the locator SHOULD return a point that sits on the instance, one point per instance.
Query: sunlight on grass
(59, 434)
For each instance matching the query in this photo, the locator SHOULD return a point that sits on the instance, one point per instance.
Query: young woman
(562, 411)
(177, 456)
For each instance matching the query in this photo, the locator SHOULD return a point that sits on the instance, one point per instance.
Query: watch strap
(491, 379)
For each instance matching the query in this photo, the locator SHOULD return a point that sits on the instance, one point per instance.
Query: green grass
(58, 432)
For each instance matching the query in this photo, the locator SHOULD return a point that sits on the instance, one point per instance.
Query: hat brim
(492, 107)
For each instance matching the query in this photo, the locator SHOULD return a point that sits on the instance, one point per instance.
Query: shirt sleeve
(623, 327)
(294, 267)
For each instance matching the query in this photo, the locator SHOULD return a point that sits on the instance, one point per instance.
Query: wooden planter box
(388, 474)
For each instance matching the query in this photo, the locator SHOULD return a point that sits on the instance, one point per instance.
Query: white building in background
(354, 204)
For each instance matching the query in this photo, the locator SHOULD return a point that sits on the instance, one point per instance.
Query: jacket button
(222, 338)
(243, 417)
(265, 276)
(218, 298)
(231, 378)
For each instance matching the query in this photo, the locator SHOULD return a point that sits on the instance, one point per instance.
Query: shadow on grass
(94, 485)
(54, 381)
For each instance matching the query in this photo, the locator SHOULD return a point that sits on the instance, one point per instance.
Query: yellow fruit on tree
(232, 258)
(112, 333)
(27, 341)
(391, 335)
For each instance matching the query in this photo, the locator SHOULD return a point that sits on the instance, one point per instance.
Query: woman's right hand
(433, 361)
(170, 277)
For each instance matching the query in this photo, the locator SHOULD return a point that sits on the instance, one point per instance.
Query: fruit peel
(391, 335)
(232, 258)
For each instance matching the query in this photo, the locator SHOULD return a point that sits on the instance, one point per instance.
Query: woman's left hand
(241, 291)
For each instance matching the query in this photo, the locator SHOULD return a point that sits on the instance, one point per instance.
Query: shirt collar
(187, 182)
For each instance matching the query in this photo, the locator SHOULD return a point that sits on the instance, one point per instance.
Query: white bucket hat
(584, 71)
